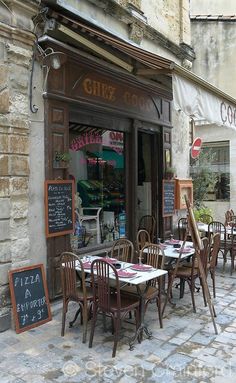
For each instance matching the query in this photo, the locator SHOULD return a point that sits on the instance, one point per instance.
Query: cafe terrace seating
(190, 274)
(74, 289)
(148, 222)
(154, 256)
(123, 250)
(143, 237)
(225, 244)
(109, 300)
(212, 260)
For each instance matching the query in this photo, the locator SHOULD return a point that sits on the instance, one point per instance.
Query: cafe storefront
(110, 132)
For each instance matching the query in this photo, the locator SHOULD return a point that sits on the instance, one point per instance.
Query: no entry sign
(196, 147)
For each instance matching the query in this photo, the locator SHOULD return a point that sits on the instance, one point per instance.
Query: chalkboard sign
(29, 296)
(168, 198)
(59, 207)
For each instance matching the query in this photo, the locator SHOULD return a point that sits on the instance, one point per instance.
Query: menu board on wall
(29, 296)
(59, 207)
(168, 198)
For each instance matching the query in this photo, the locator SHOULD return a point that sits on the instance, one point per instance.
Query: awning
(193, 95)
(202, 105)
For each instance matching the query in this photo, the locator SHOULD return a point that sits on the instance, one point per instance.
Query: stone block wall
(16, 45)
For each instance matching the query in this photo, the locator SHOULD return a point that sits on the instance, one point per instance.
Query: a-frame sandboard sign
(198, 246)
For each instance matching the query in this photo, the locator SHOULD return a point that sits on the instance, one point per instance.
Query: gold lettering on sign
(136, 101)
(99, 89)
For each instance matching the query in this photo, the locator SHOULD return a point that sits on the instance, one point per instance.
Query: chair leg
(158, 301)
(85, 321)
(232, 261)
(63, 322)
(213, 278)
(94, 319)
(116, 335)
(182, 285)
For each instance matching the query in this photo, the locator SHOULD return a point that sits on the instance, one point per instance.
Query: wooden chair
(109, 300)
(182, 228)
(190, 274)
(212, 262)
(231, 247)
(123, 250)
(155, 257)
(148, 222)
(74, 289)
(143, 237)
(228, 216)
(225, 245)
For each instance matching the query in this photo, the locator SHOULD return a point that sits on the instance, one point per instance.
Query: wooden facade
(107, 99)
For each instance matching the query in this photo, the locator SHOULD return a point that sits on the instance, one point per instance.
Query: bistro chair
(190, 274)
(123, 250)
(155, 257)
(109, 300)
(228, 216)
(231, 247)
(143, 237)
(182, 228)
(225, 245)
(74, 289)
(148, 222)
(212, 261)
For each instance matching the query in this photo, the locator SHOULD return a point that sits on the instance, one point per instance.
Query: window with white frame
(219, 164)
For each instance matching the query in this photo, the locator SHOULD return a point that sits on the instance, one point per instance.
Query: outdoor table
(140, 278)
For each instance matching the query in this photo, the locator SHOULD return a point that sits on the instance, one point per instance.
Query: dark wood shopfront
(83, 93)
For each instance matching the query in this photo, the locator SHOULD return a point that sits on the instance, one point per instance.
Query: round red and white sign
(196, 147)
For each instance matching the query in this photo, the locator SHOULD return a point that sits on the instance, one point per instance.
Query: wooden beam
(151, 72)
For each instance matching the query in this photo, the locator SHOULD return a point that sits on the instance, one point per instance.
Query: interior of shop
(97, 166)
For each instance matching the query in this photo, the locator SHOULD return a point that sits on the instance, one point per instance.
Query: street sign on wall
(196, 147)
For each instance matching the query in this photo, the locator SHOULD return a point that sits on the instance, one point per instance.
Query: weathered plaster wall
(213, 7)
(180, 151)
(170, 17)
(215, 54)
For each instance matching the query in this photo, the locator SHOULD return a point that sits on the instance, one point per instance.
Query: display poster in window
(29, 296)
(168, 198)
(59, 207)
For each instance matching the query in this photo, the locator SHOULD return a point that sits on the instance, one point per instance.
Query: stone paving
(185, 350)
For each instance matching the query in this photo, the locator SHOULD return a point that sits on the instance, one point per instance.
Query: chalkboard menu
(59, 207)
(29, 296)
(168, 198)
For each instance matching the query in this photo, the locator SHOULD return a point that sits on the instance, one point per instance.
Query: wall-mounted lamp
(49, 59)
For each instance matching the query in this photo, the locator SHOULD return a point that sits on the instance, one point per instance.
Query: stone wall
(16, 43)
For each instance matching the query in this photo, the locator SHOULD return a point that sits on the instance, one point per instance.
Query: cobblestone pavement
(185, 350)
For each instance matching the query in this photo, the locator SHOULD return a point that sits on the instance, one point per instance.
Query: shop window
(219, 165)
(97, 166)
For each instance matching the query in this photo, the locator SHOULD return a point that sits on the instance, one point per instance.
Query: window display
(97, 167)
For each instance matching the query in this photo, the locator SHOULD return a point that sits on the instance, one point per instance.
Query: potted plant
(170, 172)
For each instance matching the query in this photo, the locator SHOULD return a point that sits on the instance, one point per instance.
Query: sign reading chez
(102, 90)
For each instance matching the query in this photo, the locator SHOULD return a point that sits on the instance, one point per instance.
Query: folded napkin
(141, 267)
(111, 260)
(125, 274)
(172, 241)
(185, 250)
(87, 265)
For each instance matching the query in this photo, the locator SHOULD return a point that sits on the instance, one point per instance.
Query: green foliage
(203, 178)
(201, 211)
